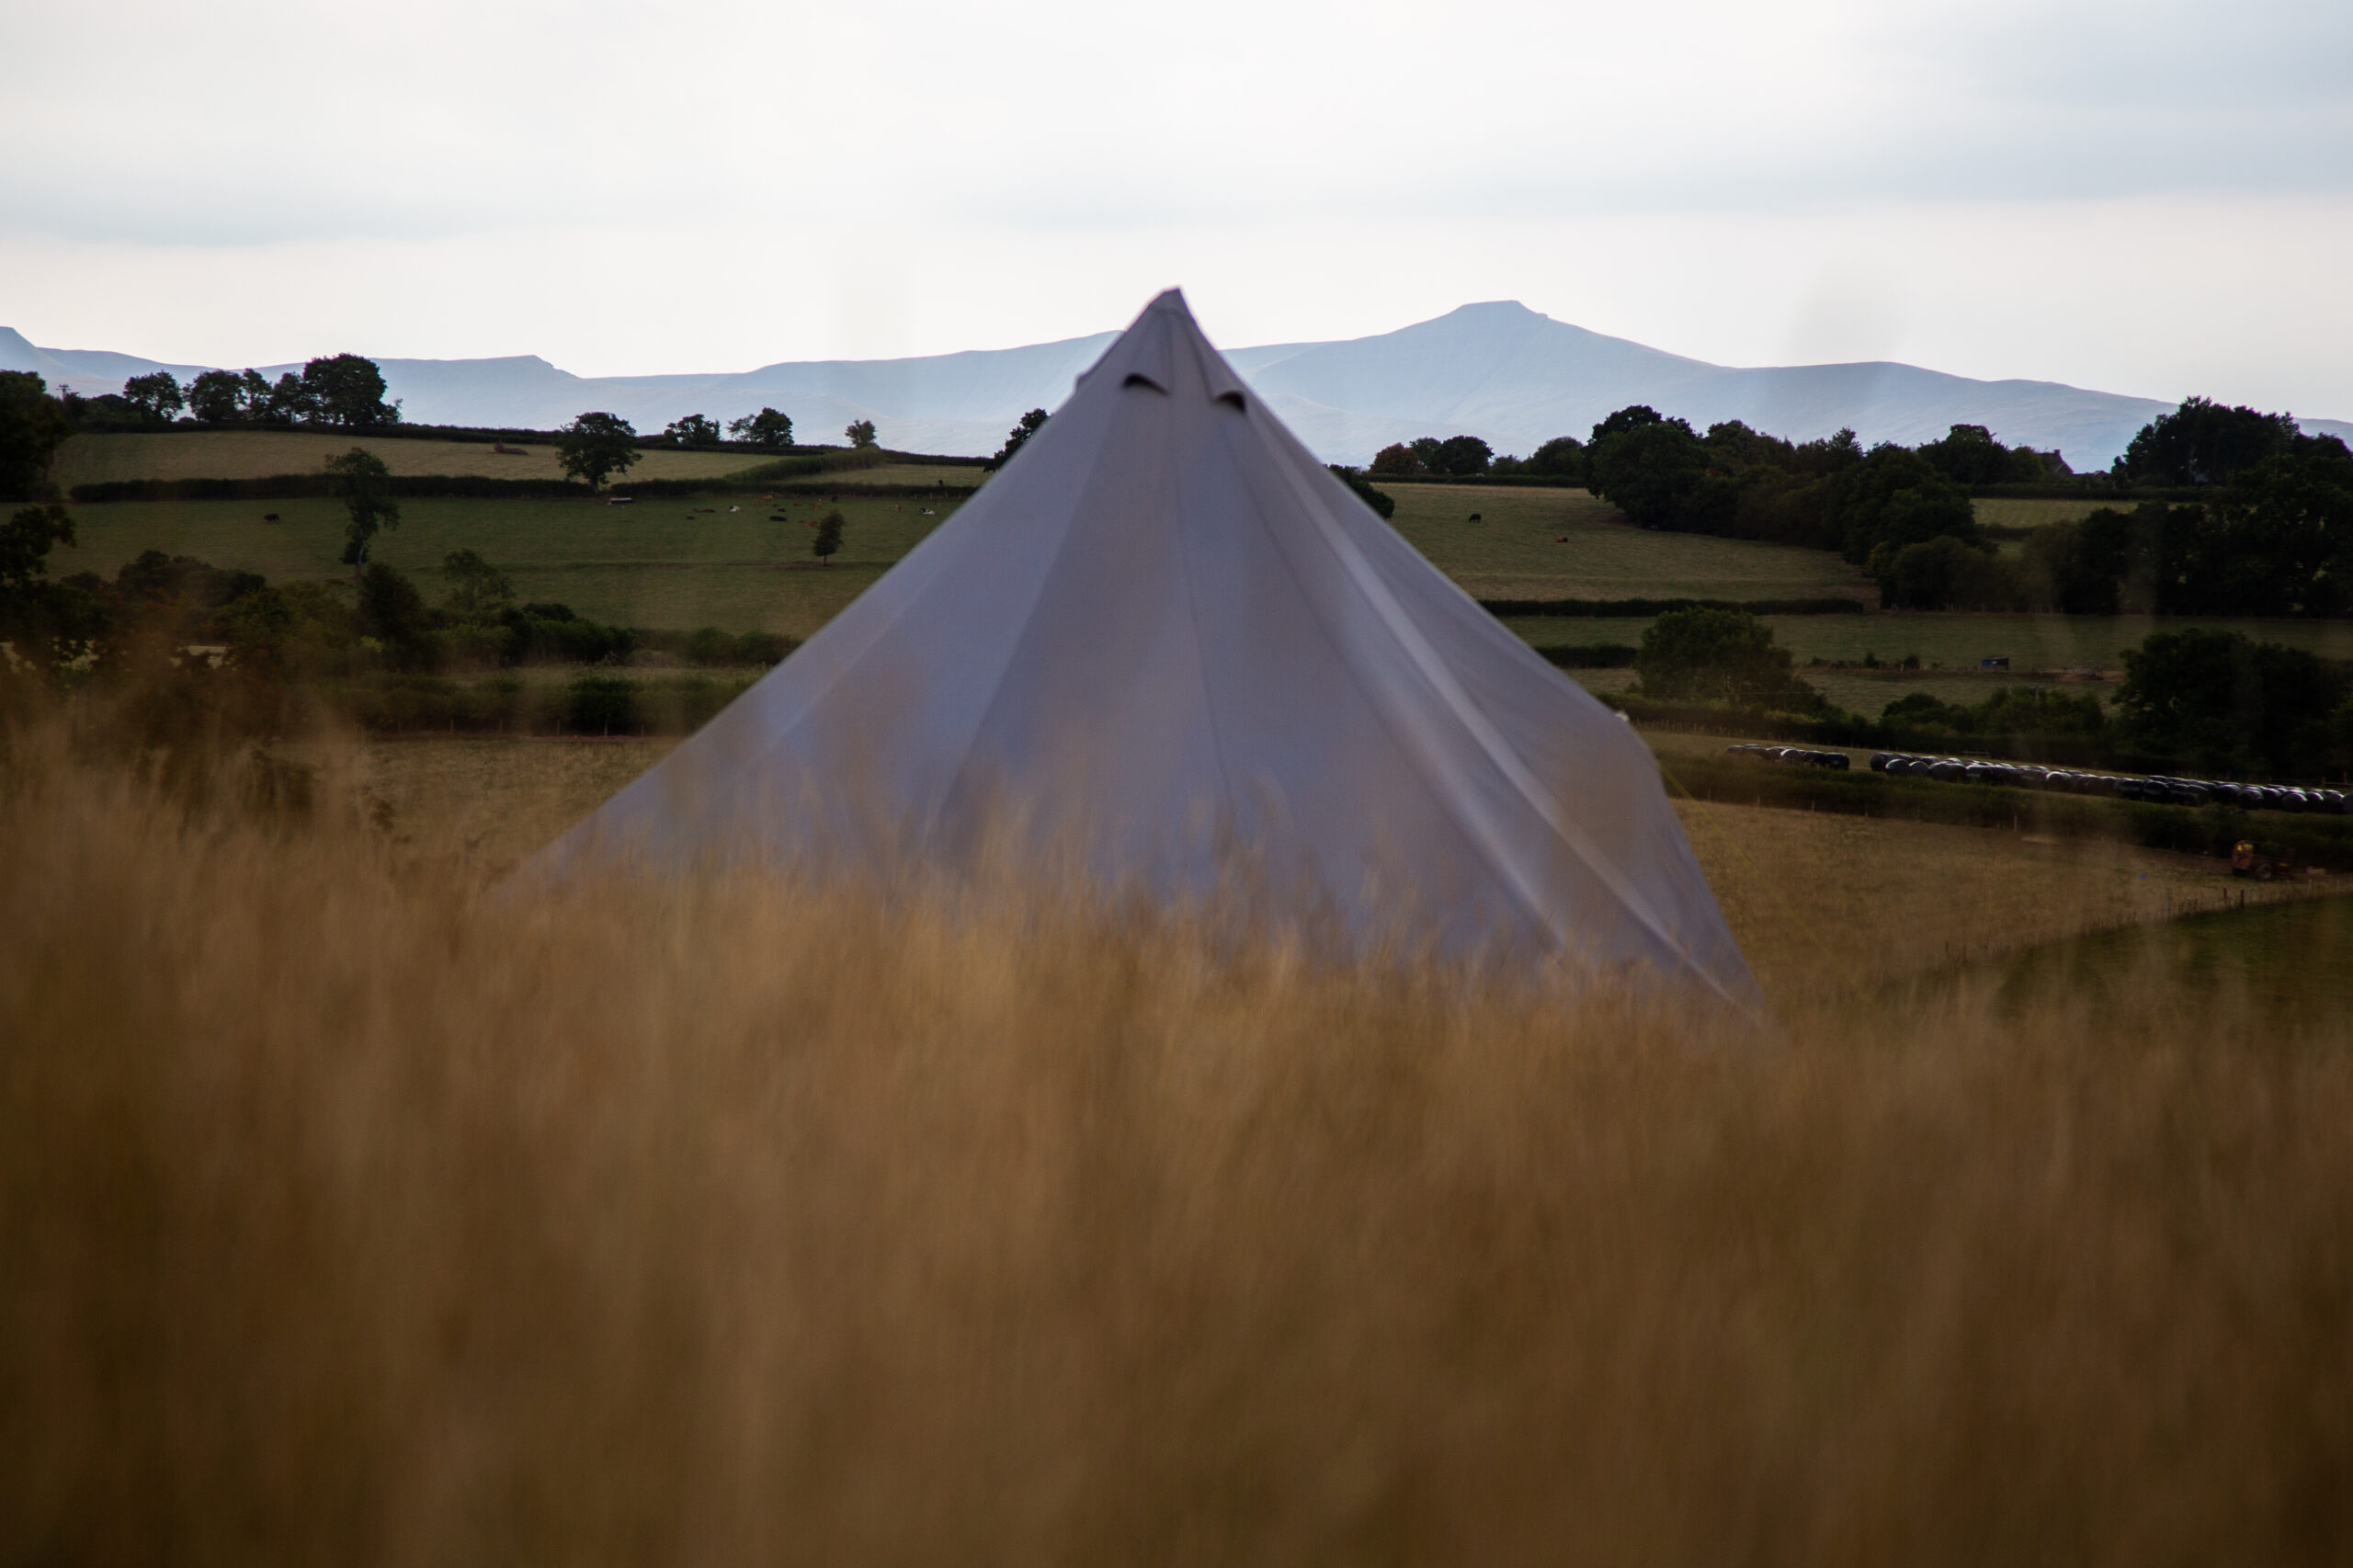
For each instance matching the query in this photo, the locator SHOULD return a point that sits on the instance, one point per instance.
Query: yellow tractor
(2261, 862)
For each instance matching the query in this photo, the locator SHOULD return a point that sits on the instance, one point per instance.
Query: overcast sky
(2153, 198)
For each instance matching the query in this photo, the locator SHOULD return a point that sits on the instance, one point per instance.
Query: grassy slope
(1518, 550)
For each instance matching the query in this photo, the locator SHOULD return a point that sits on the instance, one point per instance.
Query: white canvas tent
(1164, 630)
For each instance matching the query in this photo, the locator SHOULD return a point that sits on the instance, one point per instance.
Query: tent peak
(1164, 349)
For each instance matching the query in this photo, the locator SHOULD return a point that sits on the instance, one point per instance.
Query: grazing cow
(1477, 518)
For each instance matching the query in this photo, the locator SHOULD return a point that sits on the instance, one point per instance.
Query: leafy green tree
(1719, 656)
(2201, 442)
(1562, 456)
(829, 536)
(1017, 437)
(1381, 500)
(2219, 701)
(366, 485)
(2279, 541)
(155, 396)
(1968, 455)
(478, 591)
(346, 390)
(44, 623)
(1631, 418)
(597, 445)
(860, 433)
(1892, 497)
(290, 400)
(1463, 456)
(2078, 568)
(1648, 469)
(1425, 453)
(694, 430)
(1396, 459)
(216, 397)
(767, 429)
(33, 425)
(391, 611)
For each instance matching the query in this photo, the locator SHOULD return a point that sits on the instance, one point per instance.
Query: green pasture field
(684, 563)
(948, 476)
(718, 561)
(673, 563)
(258, 454)
(2003, 512)
(1565, 544)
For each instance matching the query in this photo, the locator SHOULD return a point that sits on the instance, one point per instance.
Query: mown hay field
(348, 1214)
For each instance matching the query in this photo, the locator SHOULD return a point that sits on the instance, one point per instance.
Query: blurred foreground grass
(346, 1214)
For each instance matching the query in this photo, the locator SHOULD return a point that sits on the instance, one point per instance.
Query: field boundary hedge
(2089, 487)
(1499, 480)
(587, 705)
(1591, 656)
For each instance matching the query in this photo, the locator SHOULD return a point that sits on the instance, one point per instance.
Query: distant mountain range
(1499, 370)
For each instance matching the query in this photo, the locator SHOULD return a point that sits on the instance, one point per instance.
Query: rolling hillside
(1498, 370)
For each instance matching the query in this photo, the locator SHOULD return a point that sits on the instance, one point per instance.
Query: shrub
(1944, 574)
(1714, 656)
(601, 705)
(1379, 501)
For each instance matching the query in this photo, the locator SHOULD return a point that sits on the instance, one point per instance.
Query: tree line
(336, 391)
(2272, 535)
(342, 392)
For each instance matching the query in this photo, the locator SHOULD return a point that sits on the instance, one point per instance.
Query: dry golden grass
(347, 1215)
(350, 1216)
